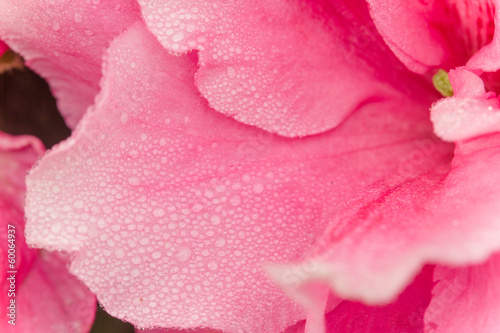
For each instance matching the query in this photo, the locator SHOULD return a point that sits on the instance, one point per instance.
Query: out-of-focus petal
(289, 67)
(465, 299)
(64, 41)
(50, 299)
(47, 298)
(172, 209)
(3, 47)
(488, 58)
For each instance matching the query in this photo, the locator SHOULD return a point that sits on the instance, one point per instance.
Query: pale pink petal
(465, 299)
(50, 299)
(466, 83)
(172, 209)
(63, 41)
(470, 113)
(434, 33)
(47, 298)
(292, 68)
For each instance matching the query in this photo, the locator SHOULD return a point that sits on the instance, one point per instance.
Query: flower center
(442, 83)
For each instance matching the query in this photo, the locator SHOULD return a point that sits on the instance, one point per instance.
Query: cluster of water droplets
(246, 71)
(172, 223)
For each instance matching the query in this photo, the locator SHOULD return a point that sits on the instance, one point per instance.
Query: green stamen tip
(442, 83)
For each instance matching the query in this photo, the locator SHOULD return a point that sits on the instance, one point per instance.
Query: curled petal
(465, 299)
(294, 68)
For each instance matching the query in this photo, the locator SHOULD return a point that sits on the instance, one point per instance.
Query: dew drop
(183, 254)
(78, 17)
(220, 242)
(134, 181)
(158, 212)
(178, 37)
(231, 72)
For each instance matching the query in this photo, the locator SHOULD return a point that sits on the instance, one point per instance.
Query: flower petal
(488, 58)
(63, 41)
(50, 299)
(470, 113)
(435, 33)
(177, 207)
(465, 299)
(47, 298)
(443, 216)
(302, 70)
(406, 314)
(3, 47)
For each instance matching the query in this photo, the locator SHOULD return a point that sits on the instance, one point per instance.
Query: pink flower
(37, 290)
(290, 155)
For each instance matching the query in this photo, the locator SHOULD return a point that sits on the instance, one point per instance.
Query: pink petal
(406, 314)
(172, 209)
(199, 330)
(287, 67)
(472, 111)
(17, 155)
(488, 58)
(50, 299)
(465, 299)
(440, 215)
(47, 297)
(63, 41)
(3, 48)
(435, 33)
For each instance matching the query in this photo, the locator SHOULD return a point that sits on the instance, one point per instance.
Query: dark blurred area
(28, 107)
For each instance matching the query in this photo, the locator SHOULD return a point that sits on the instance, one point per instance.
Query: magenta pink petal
(488, 58)
(50, 299)
(63, 41)
(199, 330)
(292, 68)
(172, 210)
(406, 314)
(447, 214)
(465, 299)
(3, 47)
(435, 33)
(47, 298)
(17, 155)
